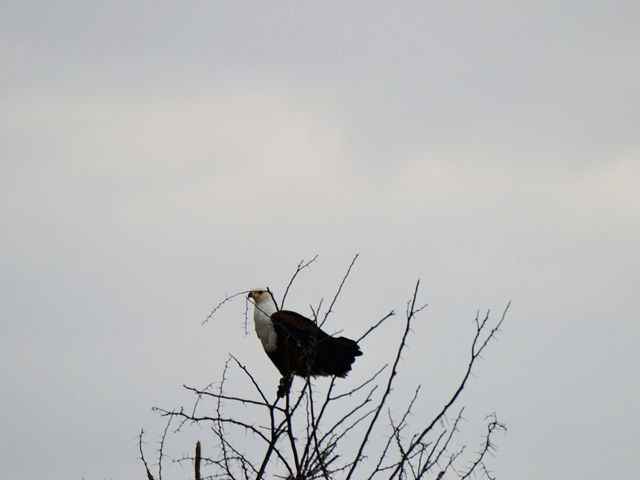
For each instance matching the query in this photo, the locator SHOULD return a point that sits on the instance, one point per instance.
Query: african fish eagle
(296, 345)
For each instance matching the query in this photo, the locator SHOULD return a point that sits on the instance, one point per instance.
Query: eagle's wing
(293, 320)
(297, 329)
(307, 350)
(298, 339)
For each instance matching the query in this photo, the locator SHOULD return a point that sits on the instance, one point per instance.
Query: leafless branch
(222, 302)
(319, 454)
(376, 325)
(439, 450)
(245, 401)
(161, 448)
(144, 461)
(301, 266)
(219, 427)
(487, 447)
(292, 440)
(335, 297)
(392, 375)
(311, 433)
(251, 377)
(475, 352)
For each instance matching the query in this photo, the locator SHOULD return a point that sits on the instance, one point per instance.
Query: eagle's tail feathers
(334, 356)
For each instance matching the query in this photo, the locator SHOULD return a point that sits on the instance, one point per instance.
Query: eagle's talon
(284, 386)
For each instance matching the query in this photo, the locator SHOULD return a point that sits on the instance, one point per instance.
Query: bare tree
(321, 433)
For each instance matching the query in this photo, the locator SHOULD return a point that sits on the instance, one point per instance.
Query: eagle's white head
(263, 300)
(264, 307)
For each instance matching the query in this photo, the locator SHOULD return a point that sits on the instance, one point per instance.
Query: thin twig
(486, 447)
(292, 440)
(146, 467)
(375, 325)
(161, 448)
(301, 266)
(335, 297)
(315, 437)
(474, 355)
(222, 302)
(392, 375)
(242, 400)
(253, 380)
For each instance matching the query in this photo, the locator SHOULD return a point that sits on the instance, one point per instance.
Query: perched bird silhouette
(296, 345)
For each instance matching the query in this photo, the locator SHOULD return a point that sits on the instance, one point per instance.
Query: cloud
(264, 155)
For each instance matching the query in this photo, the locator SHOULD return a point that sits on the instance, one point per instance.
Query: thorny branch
(335, 297)
(222, 303)
(144, 461)
(301, 266)
(475, 352)
(310, 442)
(410, 314)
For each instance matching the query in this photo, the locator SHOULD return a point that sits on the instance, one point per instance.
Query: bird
(296, 345)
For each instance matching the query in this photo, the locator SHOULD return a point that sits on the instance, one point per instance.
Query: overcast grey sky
(155, 156)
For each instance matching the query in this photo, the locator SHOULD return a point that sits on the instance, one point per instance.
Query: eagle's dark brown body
(303, 349)
(296, 345)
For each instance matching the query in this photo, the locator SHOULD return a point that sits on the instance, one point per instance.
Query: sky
(157, 156)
